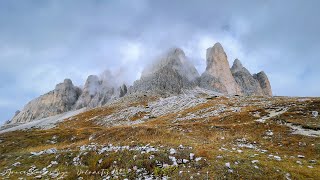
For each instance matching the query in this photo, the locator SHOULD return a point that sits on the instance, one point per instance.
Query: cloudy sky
(43, 42)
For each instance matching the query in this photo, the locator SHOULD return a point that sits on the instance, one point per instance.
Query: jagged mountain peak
(176, 59)
(218, 75)
(171, 72)
(263, 79)
(237, 64)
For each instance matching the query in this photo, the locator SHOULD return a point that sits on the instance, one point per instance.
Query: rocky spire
(90, 89)
(245, 80)
(218, 75)
(237, 66)
(264, 83)
(123, 90)
(169, 74)
(95, 93)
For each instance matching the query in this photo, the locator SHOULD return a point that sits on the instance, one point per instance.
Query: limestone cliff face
(170, 74)
(248, 84)
(61, 99)
(263, 79)
(218, 75)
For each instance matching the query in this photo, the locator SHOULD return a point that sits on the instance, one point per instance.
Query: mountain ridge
(170, 74)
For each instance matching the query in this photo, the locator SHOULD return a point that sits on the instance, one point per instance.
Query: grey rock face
(210, 82)
(248, 84)
(218, 76)
(60, 100)
(95, 93)
(170, 74)
(123, 90)
(264, 83)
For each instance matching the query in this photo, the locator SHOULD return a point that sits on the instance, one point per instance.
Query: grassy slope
(206, 137)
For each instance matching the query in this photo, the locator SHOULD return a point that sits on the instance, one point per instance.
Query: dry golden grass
(206, 136)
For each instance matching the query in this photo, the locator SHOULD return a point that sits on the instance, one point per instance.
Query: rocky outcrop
(95, 93)
(61, 99)
(248, 84)
(123, 90)
(264, 82)
(218, 76)
(170, 74)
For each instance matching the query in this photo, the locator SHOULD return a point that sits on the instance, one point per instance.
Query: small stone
(315, 114)
(16, 164)
(278, 158)
(191, 156)
(51, 151)
(219, 157)
(173, 151)
(54, 162)
(302, 144)
(313, 161)
(288, 176)
(299, 162)
(269, 133)
(255, 161)
(37, 153)
(228, 165)
(185, 161)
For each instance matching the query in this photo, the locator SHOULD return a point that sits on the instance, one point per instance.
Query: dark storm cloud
(43, 42)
